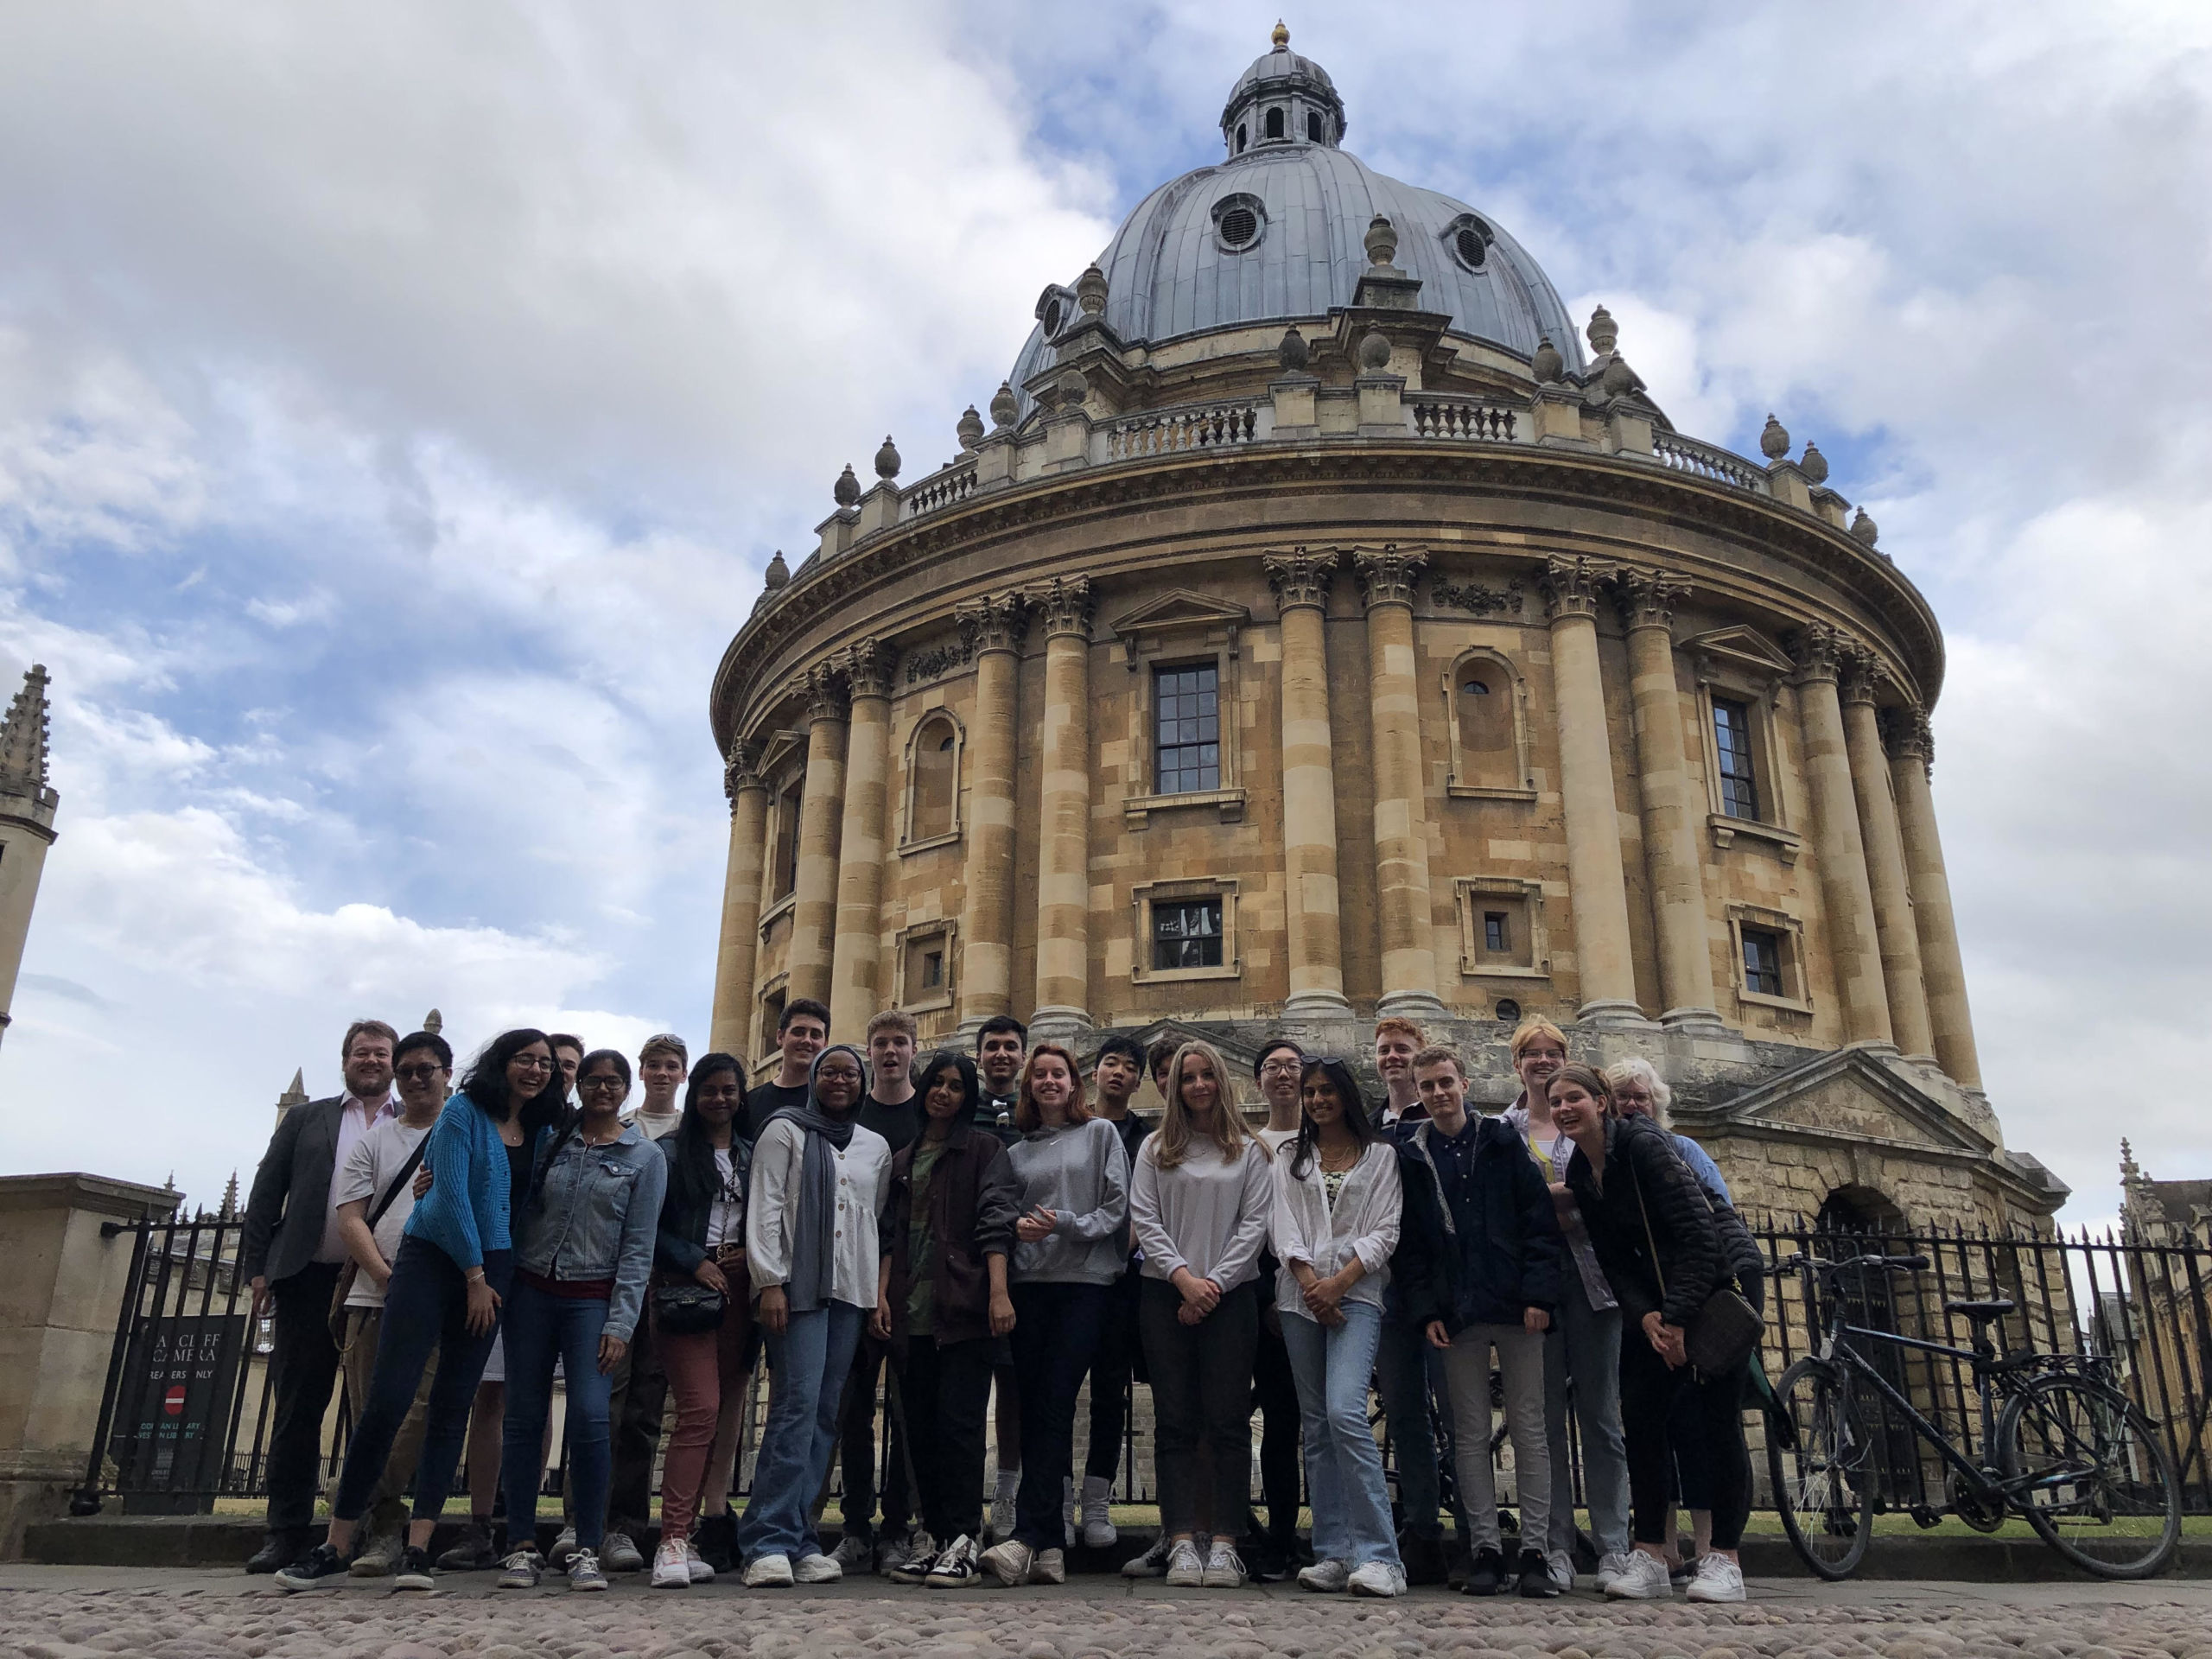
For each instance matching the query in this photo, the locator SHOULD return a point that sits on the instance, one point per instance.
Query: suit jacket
(290, 1200)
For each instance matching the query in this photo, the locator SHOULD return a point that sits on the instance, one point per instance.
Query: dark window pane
(1496, 935)
(1731, 738)
(1186, 934)
(1186, 730)
(1762, 961)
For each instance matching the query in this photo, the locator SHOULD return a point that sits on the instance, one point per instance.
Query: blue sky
(397, 404)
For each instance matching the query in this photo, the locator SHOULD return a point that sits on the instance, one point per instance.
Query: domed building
(1315, 631)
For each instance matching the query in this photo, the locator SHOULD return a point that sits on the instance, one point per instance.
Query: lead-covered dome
(1277, 232)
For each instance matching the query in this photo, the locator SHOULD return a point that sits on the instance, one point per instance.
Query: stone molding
(1389, 576)
(1300, 578)
(992, 623)
(1064, 605)
(868, 666)
(1647, 599)
(1573, 586)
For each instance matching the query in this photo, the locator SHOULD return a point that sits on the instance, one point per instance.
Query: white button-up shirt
(356, 1118)
(772, 1220)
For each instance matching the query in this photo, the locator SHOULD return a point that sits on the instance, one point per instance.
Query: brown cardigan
(974, 1200)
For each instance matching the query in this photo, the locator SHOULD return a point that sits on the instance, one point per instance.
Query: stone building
(27, 803)
(1315, 629)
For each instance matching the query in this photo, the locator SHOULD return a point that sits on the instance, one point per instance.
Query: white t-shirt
(726, 1216)
(369, 1169)
(654, 1125)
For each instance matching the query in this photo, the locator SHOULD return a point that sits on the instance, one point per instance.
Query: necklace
(1337, 1163)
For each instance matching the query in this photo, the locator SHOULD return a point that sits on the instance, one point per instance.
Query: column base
(1058, 1024)
(1614, 1011)
(1694, 1021)
(1416, 1006)
(1316, 1005)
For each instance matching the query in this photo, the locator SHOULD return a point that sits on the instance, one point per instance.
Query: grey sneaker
(473, 1554)
(855, 1555)
(521, 1570)
(564, 1547)
(1327, 1577)
(1225, 1568)
(584, 1572)
(617, 1554)
(1152, 1564)
(1186, 1568)
(379, 1557)
(1010, 1562)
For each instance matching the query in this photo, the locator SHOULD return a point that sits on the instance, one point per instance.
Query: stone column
(1408, 921)
(734, 958)
(993, 627)
(1854, 946)
(854, 997)
(1885, 872)
(1671, 807)
(1951, 1022)
(1597, 889)
(1301, 582)
(1063, 1006)
(821, 805)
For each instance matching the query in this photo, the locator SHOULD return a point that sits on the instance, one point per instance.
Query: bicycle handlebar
(1896, 1263)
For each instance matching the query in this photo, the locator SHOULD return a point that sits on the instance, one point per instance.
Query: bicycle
(2074, 1456)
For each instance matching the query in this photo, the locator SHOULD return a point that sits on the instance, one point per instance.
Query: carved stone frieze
(1389, 576)
(1299, 577)
(930, 661)
(1476, 600)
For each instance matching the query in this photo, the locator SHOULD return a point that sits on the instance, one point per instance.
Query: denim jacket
(593, 1216)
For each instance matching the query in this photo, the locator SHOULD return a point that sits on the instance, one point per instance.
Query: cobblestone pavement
(91, 1614)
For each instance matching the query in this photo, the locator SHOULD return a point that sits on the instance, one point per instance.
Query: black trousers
(634, 1415)
(1274, 1391)
(1202, 1406)
(303, 1370)
(1055, 1334)
(1650, 1393)
(948, 1391)
(1112, 1367)
(856, 1451)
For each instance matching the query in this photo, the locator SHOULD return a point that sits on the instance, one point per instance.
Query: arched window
(933, 779)
(1313, 125)
(1274, 123)
(1489, 725)
(1240, 138)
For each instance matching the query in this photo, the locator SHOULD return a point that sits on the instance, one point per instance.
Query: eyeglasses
(531, 1062)
(1282, 1065)
(414, 1073)
(608, 1082)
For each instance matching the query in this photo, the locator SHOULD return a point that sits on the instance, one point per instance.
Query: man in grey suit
(292, 1252)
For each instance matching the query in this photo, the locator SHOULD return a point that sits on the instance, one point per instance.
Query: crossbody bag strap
(391, 1192)
(1636, 1181)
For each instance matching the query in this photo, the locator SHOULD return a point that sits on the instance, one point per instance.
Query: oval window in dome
(1470, 241)
(1052, 319)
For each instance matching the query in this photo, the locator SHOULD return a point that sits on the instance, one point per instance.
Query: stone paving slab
(93, 1613)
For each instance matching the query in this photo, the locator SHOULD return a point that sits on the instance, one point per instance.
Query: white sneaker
(768, 1573)
(1010, 1562)
(694, 1564)
(671, 1569)
(1050, 1567)
(1000, 1527)
(1611, 1566)
(817, 1569)
(1644, 1578)
(1224, 1568)
(853, 1555)
(1717, 1579)
(1377, 1578)
(1186, 1568)
(1560, 1565)
(1099, 1530)
(564, 1547)
(1152, 1564)
(1327, 1577)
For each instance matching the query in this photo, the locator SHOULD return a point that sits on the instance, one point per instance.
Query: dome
(1277, 232)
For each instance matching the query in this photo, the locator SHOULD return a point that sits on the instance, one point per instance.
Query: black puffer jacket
(1640, 1163)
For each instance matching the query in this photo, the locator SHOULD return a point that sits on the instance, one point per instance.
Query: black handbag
(687, 1308)
(1722, 1334)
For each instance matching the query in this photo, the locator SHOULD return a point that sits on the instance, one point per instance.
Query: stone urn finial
(1815, 466)
(971, 429)
(1549, 365)
(1774, 439)
(847, 489)
(1090, 291)
(778, 573)
(1382, 241)
(1864, 529)
(1293, 354)
(1618, 379)
(1073, 388)
(1603, 332)
(1374, 351)
(887, 460)
(1004, 407)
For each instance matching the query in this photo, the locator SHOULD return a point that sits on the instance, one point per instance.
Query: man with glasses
(291, 1252)
(381, 1163)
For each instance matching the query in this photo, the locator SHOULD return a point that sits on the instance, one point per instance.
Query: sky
(398, 404)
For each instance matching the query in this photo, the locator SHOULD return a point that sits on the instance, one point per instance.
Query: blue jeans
(1344, 1466)
(1401, 1378)
(540, 1328)
(1584, 1343)
(807, 1367)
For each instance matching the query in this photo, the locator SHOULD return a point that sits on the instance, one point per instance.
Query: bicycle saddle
(1980, 1311)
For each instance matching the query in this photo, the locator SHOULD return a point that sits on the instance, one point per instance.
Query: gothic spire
(23, 738)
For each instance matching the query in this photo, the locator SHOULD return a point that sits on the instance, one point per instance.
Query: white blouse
(1364, 1223)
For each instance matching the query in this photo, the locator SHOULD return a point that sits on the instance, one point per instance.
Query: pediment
(1848, 1095)
(1180, 609)
(1741, 648)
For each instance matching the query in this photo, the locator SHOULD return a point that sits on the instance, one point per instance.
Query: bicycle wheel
(1824, 1483)
(2102, 1489)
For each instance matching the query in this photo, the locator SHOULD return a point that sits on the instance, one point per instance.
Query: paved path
(51, 1613)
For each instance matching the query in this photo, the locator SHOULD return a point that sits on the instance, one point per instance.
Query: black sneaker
(1423, 1556)
(414, 1571)
(1487, 1572)
(279, 1551)
(315, 1570)
(715, 1539)
(1537, 1576)
(473, 1554)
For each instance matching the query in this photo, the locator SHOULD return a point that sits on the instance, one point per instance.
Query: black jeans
(635, 1414)
(425, 1312)
(1202, 1406)
(947, 1392)
(1055, 1335)
(303, 1367)
(1111, 1368)
(1649, 1394)
(1274, 1391)
(856, 1451)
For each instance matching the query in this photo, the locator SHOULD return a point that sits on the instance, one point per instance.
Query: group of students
(1012, 1229)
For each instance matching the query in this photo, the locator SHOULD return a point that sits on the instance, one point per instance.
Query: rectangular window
(1498, 935)
(1732, 736)
(1186, 704)
(1762, 961)
(1187, 933)
(786, 872)
(932, 970)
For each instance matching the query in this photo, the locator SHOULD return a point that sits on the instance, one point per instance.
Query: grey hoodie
(1080, 1173)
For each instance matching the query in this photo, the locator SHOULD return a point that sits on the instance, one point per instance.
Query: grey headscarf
(814, 1263)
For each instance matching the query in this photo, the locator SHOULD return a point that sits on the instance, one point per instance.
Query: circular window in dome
(1239, 222)
(1469, 239)
(1052, 319)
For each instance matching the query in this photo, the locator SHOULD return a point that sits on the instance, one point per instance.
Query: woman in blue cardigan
(448, 1284)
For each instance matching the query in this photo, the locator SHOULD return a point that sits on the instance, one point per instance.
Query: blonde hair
(1172, 1141)
(1533, 1029)
(1028, 1114)
(1637, 1068)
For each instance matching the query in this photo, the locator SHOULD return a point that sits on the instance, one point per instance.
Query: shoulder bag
(347, 1273)
(1722, 1334)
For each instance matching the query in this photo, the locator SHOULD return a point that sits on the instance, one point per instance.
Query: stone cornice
(1300, 578)
(1812, 554)
(1388, 576)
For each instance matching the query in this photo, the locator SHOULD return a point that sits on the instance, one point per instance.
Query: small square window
(1762, 961)
(1187, 933)
(1497, 932)
(1731, 739)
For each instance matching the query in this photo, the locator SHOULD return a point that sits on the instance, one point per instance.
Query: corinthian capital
(1573, 587)
(1905, 731)
(1818, 651)
(1646, 599)
(822, 690)
(866, 665)
(1855, 666)
(741, 769)
(1063, 605)
(1388, 577)
(1301, 578)
(992, 623)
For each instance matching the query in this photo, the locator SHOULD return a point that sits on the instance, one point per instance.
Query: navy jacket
(1505, 1251)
